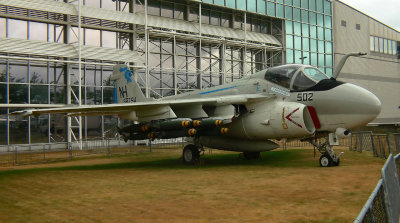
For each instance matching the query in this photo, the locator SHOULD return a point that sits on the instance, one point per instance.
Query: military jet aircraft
(292, 101)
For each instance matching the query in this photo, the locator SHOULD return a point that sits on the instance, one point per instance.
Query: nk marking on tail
(126, 88)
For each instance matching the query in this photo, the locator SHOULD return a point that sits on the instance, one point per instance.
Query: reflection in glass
(39, 94)
(37, 75)
(18, 130)
(18, 73)
(18, 93)
(3, 93)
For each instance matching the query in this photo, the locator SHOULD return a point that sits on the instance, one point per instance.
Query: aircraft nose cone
(360, 102)
(349, 106)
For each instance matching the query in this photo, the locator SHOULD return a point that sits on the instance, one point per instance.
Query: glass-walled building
(57, 53)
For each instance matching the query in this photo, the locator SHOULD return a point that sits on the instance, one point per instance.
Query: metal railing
(384, 203)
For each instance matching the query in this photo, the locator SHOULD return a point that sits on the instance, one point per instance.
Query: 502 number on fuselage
(306, 96)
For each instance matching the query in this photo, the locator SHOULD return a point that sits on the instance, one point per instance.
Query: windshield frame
(302, 70)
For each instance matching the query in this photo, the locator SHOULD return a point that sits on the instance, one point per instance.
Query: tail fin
(126, 88)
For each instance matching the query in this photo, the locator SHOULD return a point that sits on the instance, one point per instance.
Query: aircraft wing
(221, 106)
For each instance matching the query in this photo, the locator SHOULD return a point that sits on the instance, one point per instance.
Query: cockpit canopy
(295, 77)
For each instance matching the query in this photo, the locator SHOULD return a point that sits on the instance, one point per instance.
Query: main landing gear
(191, 154)
(328, 157)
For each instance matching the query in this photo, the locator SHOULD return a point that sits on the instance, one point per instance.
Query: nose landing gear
(328, 157)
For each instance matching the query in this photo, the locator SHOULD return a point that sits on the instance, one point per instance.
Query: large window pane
(19, 130)
(321, 46)
(304, 16)
(328, 7)
(321, 60)
(288, 12)
(289, 56)
(313, 18)
(328, 58)
(232, 3)
(313, 31)
(305, 30)
(298, 57)
(304, 4)
(328, 22)
(17, 29)
(306, 44)
(297, 28)
(261, 6)
(3, 126)
(271, 9)
(18, 93)
(320, 32)
(251, 5)
(108, 39)
(279, 11)
(328, 34)
(3, 93)
(3, 27)
(39, 94)
(328, 47)
(38, 75)
(390, 50)
(313, 45)
(39, 126)
(376, 44)
(312, 5)
(241, 4)
(289, 27)
(314, 59)
(38, 31)
(296, 14)
(18, 73)
(371, 43)
(289, 41)
(92, 37)
(320, 20)
(297, 42)
(320, 6)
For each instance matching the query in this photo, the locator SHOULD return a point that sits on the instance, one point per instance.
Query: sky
(385, 11)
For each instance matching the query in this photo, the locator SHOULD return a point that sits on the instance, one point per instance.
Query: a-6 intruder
(290, 101)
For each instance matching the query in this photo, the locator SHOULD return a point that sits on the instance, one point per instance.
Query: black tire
(337, 163)
(325, 160)
(251, 155)
(190, 154)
